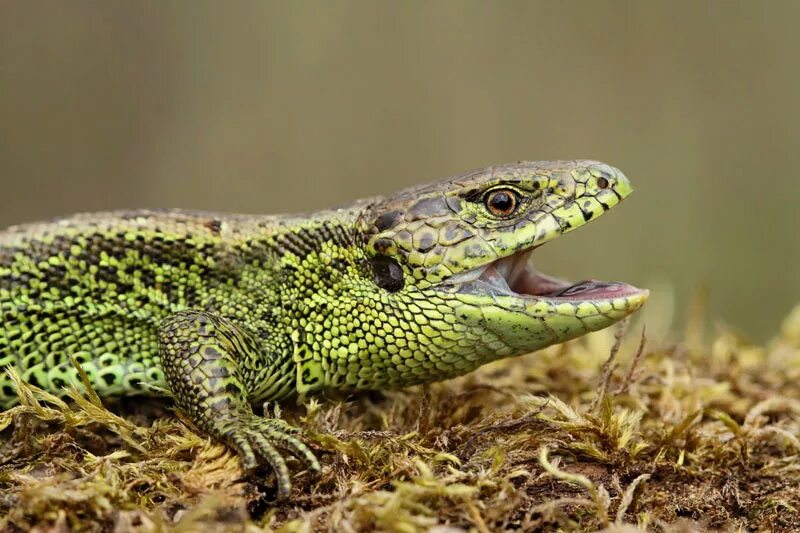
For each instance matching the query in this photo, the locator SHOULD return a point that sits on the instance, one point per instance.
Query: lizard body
(228, 310)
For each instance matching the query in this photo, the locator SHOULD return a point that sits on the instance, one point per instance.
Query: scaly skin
(229, 310)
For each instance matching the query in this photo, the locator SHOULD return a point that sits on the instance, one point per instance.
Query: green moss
(663, 438)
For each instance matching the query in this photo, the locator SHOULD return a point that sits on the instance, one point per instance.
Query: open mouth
(516, 276)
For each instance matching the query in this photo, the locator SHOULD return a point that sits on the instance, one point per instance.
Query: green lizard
(224, 311)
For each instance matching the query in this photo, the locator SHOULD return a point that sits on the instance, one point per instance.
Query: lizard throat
(516, 276)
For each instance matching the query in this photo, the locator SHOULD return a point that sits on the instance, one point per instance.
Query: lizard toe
(260, 440)
(273, 457)
(298, 449)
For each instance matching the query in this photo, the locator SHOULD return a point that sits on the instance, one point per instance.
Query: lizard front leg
(201, 355)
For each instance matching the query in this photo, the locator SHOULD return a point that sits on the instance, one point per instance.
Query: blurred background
(289, 106)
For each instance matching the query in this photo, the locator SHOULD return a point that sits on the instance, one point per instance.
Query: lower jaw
(525, 324)
(526, 310)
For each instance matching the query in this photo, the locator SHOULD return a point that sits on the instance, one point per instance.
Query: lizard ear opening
(387, 273)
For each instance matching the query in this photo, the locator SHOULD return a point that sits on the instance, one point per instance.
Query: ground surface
(692, 437)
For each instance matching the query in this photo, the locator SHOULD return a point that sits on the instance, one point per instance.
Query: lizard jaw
(516, 276)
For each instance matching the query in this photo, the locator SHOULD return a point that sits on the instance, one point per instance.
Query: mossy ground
(679, 438)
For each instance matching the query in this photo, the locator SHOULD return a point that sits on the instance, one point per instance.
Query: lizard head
(468, 242)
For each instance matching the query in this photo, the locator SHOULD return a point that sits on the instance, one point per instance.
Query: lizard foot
(208, 363)
(257, 439)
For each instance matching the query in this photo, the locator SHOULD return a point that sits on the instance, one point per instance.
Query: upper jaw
(515, 276)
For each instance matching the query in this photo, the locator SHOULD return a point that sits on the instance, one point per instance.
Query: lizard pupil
(501, 202)
(387, 273)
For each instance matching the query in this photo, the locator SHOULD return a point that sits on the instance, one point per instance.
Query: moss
(658, 438)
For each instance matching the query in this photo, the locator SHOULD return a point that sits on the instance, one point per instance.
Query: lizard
(222, 311)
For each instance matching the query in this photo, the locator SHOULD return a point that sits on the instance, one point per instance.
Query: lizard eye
(501, 202)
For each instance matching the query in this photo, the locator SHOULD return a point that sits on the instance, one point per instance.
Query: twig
(609, 366)
(626, 383)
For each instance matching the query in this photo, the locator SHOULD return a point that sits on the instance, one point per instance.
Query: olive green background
(284, 106)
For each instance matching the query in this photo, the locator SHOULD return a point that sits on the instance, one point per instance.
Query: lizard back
(97, 285)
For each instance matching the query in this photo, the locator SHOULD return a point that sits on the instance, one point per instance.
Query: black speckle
(215, 225)
(233, 389)
(453, 232)
(426, 243)
(428, 207)
(454, 204)
(107, 273)
(308, 378)
(474, 250)
(210, 353)
(220, 406)
(218, 372)
(387, 273)
(382, 245)
(388, 220)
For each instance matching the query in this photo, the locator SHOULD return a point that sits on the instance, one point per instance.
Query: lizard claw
(257, 439)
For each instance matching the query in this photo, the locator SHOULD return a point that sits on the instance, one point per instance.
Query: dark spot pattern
(388, 274)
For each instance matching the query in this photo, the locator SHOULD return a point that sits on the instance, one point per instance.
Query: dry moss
(666, 438)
